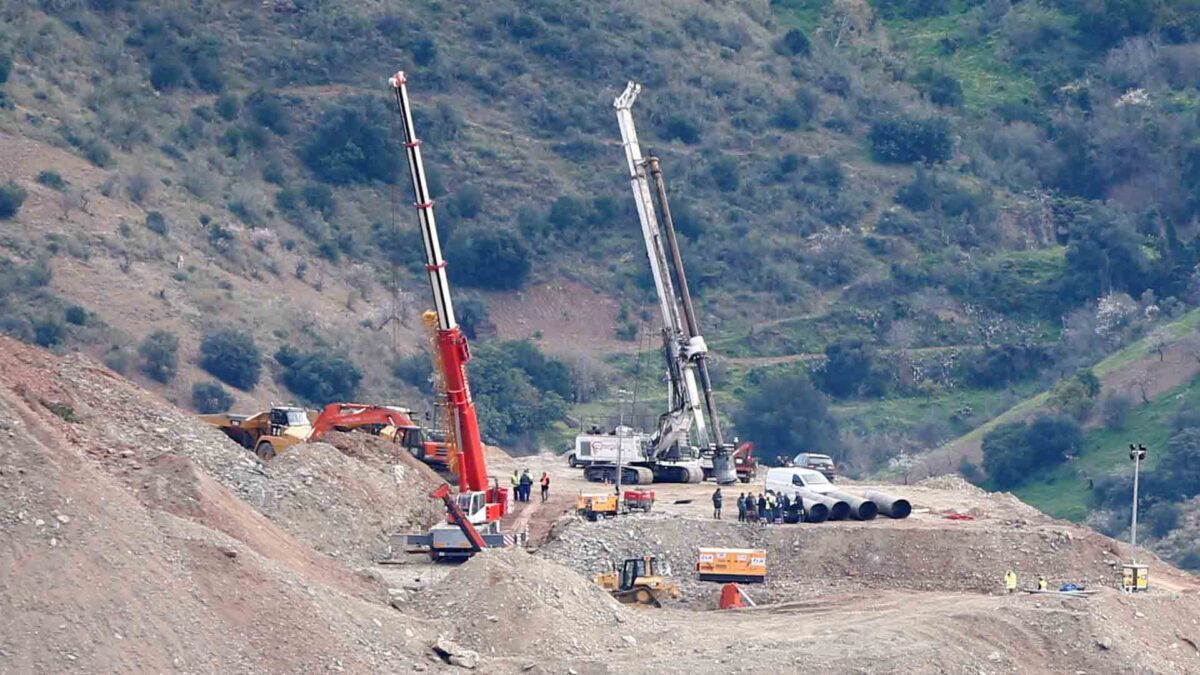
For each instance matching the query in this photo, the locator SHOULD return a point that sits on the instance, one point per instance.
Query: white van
(786, 480)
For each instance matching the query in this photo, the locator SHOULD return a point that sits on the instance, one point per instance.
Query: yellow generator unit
(1135, 577)
(595, 506)
(744, 565)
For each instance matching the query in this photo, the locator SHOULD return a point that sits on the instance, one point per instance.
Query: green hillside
(915, 205)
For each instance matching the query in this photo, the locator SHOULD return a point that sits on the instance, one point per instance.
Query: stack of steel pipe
(838, 508)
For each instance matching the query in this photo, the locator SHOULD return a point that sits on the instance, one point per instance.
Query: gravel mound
(951, 482)
(505, 602)
(814, 559)
(345, 506)
(129, 563)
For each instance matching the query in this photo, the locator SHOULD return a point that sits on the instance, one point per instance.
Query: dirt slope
(114, 560)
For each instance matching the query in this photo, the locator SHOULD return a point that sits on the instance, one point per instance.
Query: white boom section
(435, 264)
(686, 392)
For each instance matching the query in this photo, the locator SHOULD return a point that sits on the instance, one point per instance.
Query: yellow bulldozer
(639, 581)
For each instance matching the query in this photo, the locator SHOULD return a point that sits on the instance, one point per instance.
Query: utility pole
(1137, 453)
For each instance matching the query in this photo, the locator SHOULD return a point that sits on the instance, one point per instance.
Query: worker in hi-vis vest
(1010, 581)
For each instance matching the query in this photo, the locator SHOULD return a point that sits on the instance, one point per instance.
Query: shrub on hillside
(159, 351)
(351, 144)
(414, 370)
(678, 127)
(495, 261)
(167, 72)
(117, 359)
(1114, 410)
(269, 111)
(904, 140)
(228, 106)
(942, 89)
(726, 174)
(470, 312)
(1016, 452)
(48, 332)
(322, 377)
(511, 390)
(793, 43)
(12, 196)
(156, 223)
(76, 315)
(808, 424)
(210, 397)
(51, 179)
(1076, 395)
(852, 369)
(232, 357)
(970, 471)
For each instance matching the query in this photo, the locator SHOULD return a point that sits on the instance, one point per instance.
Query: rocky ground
(134, 539)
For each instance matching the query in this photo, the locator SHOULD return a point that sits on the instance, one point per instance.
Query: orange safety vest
(545, 481)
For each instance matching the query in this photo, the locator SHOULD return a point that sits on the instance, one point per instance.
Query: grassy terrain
(948, 43)
(1063, 492)
(1132, 353)
(962, 408)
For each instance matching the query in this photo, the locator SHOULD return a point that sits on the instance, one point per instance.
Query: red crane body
(449, 339)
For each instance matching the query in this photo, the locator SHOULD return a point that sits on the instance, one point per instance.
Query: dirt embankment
(127, 543)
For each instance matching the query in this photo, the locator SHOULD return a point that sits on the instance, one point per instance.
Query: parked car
(816, 462)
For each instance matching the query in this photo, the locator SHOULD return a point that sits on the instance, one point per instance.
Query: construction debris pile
(344, 501)
(506, 602)
(805, 558)
(118, 555)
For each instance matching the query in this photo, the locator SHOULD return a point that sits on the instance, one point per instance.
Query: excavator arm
(347, 416)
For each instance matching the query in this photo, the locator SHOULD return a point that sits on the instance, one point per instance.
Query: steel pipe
(892, 507)
(814, 511)
(860, 508)
(838, 509)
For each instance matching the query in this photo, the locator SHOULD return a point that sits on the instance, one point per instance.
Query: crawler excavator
(688, 445)
(473, 515)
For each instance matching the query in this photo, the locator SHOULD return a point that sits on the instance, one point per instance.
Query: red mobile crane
(475, 516)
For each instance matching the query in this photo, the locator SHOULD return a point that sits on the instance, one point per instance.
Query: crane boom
(686, 351)
(450, 341)
(686, 412)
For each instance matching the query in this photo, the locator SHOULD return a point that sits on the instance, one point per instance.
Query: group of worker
(522, 485)
(767, 507)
